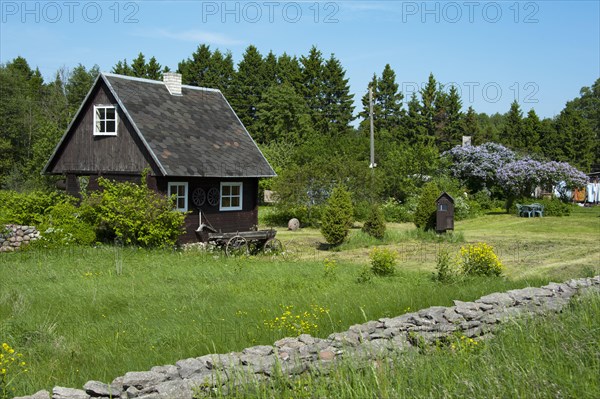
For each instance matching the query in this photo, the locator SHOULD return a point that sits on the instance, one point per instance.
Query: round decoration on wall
(199, 196)
(213, 196)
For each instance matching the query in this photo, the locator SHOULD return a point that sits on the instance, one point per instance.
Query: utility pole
(372, 165)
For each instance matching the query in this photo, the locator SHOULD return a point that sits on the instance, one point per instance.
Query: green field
(79, 314)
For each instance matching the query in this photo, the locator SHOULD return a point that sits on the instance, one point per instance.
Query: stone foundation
(13, 236)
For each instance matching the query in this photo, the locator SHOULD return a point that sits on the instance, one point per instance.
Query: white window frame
(241, 196)
(96, 120)
(170, 192)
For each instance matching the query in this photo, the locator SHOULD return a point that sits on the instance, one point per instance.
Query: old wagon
(247, 242)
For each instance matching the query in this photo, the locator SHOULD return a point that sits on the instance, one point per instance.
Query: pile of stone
(377, 339)
(13, 236)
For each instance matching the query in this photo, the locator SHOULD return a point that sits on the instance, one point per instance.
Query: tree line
(300, 111)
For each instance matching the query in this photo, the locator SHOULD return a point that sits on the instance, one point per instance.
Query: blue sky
(538, 52)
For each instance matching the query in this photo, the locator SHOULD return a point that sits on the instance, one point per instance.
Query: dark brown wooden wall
(83, 153)
(223, 221)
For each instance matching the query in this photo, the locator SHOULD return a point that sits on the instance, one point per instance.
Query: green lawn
(75, 318)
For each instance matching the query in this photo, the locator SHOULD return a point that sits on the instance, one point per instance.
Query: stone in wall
(13, 236)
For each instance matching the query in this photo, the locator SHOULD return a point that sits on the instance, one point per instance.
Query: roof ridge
(144, 80)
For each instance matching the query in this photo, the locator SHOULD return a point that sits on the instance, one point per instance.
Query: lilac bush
(493, 165)
(476, 166)
(562, 176)
(519, 178)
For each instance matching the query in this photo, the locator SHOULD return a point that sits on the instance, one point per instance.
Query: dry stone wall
(13, 236)
(294, 356)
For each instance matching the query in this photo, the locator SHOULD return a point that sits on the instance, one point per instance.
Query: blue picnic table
(531, 210)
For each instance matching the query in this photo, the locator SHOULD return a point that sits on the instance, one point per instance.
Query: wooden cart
(247, 242)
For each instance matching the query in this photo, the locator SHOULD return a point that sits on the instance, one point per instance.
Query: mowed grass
(556, 247)
(79, 314)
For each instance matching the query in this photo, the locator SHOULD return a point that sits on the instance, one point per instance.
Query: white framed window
(105, 120)
(231, 196)
(179, 190)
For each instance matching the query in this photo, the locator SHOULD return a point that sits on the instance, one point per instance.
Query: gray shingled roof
(195, 134)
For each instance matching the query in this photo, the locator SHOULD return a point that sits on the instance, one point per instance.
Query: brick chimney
(173, 82)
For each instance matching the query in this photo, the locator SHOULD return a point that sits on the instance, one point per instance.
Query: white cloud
(196, 36)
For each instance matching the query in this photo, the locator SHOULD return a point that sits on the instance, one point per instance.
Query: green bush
(337, 217)
(375, 223)
(365, 275)
(383, 261)
(135, 214)
(64, 225)
(362, 210)
(444, 270)
(479, 260)
(555, 207)
(396, 212)
(27, 208)
(425, 212)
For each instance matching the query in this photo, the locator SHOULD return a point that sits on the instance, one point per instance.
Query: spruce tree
(122, 68)
(389, 100)
(578, 137)
(193, 70)
(312, 84)
(79, 84)
(337, 105)
(531, 128)
(414, 123)
(270, 68)
(282, 116)
(153, 70)
(337, 217)
(220, 72)
(470, 126)
(289, 71)
(512, 133)
(249, 85)
(429, 94)
(138, 66)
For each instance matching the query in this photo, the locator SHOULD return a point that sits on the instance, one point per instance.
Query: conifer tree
(153, 70)
(429, 95)
(511, 134)
(531, 130)
(249, 86)
(414, 123)
(338, 217)
(389, 99)
(337, 107)
(312, 83)
(138, 67)
(122, 68)
(288, 70)
(282, 116)
(193, 70)
(470, 126)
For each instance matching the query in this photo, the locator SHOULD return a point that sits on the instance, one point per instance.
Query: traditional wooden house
(190, 139)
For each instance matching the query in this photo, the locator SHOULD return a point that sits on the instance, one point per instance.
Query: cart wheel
(236, 246)
(273, 247)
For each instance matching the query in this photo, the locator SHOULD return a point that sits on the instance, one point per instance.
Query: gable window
(105, 120)
(179, 191)
(231, 196)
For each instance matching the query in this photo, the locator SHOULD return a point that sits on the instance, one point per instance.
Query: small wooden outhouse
(444, 215)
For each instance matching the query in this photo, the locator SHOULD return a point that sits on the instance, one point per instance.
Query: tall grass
(360, 239)
(79, 314)
(556, 356)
